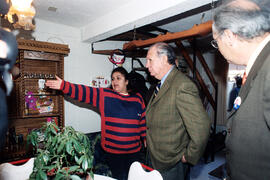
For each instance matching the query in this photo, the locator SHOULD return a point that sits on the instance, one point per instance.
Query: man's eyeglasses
(214, 42)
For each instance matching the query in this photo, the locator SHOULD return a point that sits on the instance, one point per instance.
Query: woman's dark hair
(121, 70)
(136, 84)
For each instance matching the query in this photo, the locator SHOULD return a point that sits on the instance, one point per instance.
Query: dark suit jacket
(3, 117)
(177, 123)
(248, 138)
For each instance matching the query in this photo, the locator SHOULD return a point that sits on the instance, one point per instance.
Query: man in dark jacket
(8, 54)
(241, 31)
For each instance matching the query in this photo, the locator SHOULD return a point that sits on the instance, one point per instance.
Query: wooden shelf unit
(30, 105)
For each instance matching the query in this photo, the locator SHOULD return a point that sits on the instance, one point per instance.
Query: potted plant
(60, 154)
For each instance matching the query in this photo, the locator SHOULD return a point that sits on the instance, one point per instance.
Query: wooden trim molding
(41, 55)
(43, 46)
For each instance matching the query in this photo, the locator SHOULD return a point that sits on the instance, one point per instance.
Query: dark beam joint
(150, 35)
(164, 31)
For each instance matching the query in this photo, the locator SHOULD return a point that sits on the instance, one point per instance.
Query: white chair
(21, 172)
(9, 171)
(136, 172)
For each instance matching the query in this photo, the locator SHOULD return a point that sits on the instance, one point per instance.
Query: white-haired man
(241, 31)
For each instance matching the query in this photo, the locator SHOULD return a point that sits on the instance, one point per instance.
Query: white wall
(135, 13)
(79, 67)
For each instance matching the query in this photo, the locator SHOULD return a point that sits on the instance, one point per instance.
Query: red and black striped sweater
(123, 123)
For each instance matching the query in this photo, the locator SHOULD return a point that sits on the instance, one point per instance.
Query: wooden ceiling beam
(197, 30)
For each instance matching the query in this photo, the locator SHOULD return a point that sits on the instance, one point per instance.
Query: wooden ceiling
(152, 31)
(142, 33)
(148, 34)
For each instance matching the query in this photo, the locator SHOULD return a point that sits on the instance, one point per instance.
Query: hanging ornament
(117, 57)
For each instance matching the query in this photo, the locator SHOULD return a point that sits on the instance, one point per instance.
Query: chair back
(9, 171)
(136, 172)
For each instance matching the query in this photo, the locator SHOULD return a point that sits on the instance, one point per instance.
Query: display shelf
(31, 103)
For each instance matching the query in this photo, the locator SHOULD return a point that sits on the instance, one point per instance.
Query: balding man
(177, 123)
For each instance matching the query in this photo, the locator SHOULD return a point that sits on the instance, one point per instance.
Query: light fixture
(25, 13)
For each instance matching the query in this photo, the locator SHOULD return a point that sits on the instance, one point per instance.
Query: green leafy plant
(60, 154)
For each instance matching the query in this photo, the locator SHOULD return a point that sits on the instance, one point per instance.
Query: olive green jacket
(177, 123)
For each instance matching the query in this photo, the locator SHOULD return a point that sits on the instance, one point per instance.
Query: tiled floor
(201, 170)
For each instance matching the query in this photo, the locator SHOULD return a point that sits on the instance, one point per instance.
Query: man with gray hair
(241, 32)
(177, 123)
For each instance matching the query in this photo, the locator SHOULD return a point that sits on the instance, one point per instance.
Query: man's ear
(230, 37)
(164, 59)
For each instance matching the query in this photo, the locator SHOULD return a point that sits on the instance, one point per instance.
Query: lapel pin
(237, 103)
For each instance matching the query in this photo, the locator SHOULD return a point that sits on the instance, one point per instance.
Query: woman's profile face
(119, 82)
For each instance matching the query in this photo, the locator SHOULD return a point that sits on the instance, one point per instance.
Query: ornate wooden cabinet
(31, 103)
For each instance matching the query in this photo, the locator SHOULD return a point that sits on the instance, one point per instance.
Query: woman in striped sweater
(123, 125)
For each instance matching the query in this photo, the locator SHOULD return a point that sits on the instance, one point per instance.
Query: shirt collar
(165, 76)
(256, 53)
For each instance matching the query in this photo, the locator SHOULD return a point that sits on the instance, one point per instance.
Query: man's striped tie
(157, 89)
